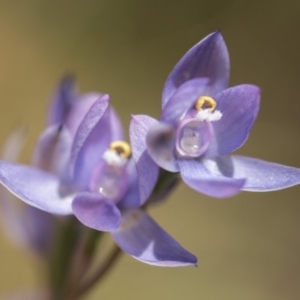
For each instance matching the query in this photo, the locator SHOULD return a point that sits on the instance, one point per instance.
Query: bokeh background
(248, 246)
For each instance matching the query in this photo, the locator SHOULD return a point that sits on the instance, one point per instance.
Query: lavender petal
(143, 239)
(96, 212)
(263, 176)
(35, 187)
(160, 142)
(53, 149)
(183, 98)
(199, 178)
(92, 139)
(209, 58)
(147, 169)
(62, 100)
(239, 106)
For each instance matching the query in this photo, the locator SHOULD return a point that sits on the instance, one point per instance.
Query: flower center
(206, 102)
(194, 134)
(121, 148)
(111, 178)
(193, 138)
(206, 109)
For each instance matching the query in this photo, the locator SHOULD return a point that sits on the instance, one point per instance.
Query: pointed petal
(62, 100)
(209, 58)
(199, 178)
(239, 106)
(91, 140)
(143, 239)
(80, 106)
(53, 149)
(186, 95)
(96, 212)
(263, 176)
(147, 169)
(160, 142)
(35, 187)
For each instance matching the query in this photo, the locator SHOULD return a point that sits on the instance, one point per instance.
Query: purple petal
(132, 197)
(38, 229)
(209, 58)
(186, 95)
(96, 212)
(117, 133)
(92, 139)
(147, 170)
(35, 187)
(161, 146)
(26, 225)
(199, 178)
(262, 176)
(53, 149)
(80, 107)
(62, 100)
(142, 238)
(239, 106)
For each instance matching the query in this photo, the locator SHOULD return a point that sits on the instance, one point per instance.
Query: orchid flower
(87, 169)
(203, 121)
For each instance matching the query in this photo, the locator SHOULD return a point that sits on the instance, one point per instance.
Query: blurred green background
(248, 246)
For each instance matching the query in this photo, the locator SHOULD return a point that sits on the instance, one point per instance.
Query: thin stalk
(60, 262)
(99, 274)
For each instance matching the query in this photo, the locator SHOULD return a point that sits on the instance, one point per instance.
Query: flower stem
(99, 274)
(60, 262)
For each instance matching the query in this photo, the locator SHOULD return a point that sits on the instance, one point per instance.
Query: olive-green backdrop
(248, 246)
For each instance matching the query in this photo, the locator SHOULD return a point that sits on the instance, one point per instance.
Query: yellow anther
(120, 147)
(206, 102)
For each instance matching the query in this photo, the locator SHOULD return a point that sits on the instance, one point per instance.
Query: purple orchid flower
(91, 173)
(203, 120)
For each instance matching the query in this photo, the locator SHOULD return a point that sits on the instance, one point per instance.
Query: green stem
(60, 262)
(98, 275)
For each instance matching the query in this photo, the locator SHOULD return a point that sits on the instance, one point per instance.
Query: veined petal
(263, 176)
(92, 139)
(209, 58)
(186, 95)
(160, 142)
(239, 106)
(53, 149)
(62, 100)
(199, 178)
(143, 239)
(80, 106)
(35, 187)
(147, 169)
(96, 212)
